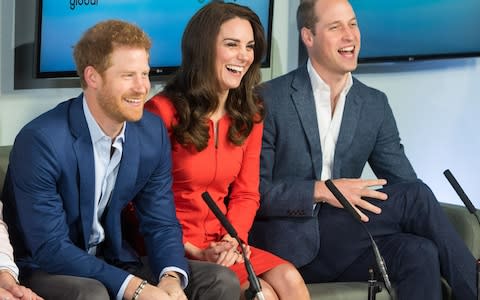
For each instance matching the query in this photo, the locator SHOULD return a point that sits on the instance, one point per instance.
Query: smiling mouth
(235, 69)
(347, 50)
(133, 100)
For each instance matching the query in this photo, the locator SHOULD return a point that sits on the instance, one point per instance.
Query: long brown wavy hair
(194, 88)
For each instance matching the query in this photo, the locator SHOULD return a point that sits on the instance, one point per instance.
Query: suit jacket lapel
(302, 96)
(349, 125)
(86, 166)
(129, 164)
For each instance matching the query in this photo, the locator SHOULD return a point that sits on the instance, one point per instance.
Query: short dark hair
(306, 15)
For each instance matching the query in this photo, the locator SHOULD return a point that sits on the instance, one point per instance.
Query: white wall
(436, 103)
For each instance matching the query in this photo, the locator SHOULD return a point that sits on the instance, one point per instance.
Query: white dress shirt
(106, 171)
(328, 123)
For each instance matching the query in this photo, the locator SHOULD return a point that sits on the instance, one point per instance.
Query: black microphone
(458, 189)
(219, 214)
(255, 288)
(379, 259)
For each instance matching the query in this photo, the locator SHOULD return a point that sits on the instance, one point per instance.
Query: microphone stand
(471, 208)
(378, 258)
(255, 289)
(373, 287)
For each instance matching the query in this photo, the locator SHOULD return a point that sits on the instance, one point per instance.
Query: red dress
(221, 170)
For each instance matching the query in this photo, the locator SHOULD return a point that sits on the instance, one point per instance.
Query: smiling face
(234, 52)
(120, 92)
(334, 42)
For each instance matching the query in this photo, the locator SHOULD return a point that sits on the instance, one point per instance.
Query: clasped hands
(225, 252)
(355, 191)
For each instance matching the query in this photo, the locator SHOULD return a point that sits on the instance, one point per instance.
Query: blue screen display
(62, 22)
(412, 29)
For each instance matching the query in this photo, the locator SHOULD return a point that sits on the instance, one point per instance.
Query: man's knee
(226, 281)
(212, 281)
(420, 190)
(428, 248)
(91, 289)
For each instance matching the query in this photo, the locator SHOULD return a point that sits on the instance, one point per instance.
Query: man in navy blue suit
(322, 123)
(72, 171)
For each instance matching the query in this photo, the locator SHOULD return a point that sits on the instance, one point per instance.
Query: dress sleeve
(244, 195)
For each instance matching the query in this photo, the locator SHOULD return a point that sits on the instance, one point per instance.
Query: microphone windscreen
(458, 189)
(219, 214)
(339, 196)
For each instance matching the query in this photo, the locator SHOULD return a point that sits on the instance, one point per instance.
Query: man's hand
(9, 289)
(171, 285)
(152, 292)
(354, 191)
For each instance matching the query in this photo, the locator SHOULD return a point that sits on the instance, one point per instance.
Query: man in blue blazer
(72, 171)
(321, 124)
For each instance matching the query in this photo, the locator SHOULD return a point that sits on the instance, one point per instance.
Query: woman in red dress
(215, 125)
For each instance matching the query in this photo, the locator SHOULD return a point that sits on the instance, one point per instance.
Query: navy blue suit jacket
(49, 197)
(291, 159)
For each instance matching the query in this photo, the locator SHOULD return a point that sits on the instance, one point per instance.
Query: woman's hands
(233, 254)
(225, 252)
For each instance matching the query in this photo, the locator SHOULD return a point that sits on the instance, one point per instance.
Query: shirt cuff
(8, 265)
(123, 287)
(183, 280)
(183, 275)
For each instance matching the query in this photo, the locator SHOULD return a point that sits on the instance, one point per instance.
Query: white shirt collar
(319, 85)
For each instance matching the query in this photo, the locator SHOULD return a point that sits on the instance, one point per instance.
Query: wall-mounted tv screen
(418, 29)
(61, 23)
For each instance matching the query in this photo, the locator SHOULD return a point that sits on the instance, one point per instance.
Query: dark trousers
(206, 281)
(414, 236)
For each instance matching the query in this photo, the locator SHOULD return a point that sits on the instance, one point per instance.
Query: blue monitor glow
(60, 25)
(417, 29)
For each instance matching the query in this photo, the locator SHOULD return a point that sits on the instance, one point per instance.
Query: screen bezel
(156, 72)
(422, 12)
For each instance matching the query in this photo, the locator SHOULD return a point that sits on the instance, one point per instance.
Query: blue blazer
(49, 197)
(291, 159)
